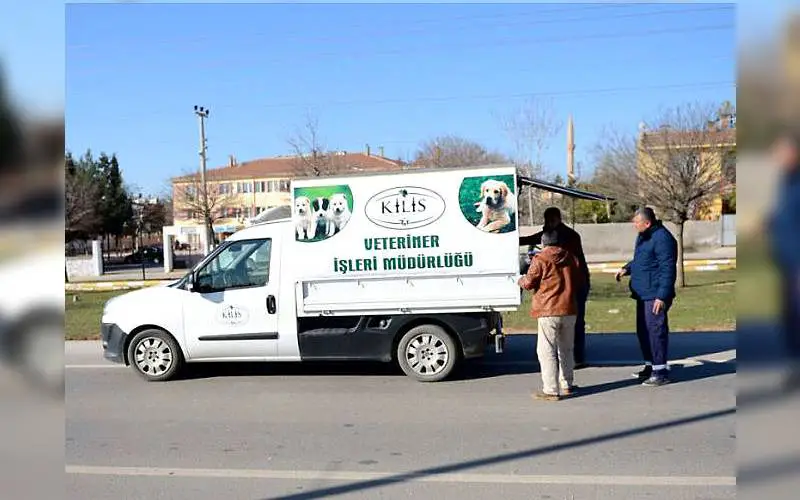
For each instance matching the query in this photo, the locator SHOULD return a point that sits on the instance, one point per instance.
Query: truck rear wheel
(155, 355)
(427, 353)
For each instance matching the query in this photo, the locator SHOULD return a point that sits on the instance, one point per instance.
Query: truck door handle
(271, 307)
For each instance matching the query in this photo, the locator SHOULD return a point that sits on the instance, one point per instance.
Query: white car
(32, 317)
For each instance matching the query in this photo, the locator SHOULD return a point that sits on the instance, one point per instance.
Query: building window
(224, 188)
(261, 187)
(284, 186)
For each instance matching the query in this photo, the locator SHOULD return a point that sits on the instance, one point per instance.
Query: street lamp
(139, 208)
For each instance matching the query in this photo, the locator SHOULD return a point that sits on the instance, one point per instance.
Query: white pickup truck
(412, 267)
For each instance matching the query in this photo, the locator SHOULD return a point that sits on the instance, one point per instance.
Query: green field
(83, 317)
(708, 303)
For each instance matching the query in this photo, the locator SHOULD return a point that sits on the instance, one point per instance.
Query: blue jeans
(791, 312)
(652, 331)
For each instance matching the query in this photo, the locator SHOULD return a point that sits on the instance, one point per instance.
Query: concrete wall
(620, 238)
(85, 266)
(81, 267)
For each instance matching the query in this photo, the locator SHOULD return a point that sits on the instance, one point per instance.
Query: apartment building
(240, 191)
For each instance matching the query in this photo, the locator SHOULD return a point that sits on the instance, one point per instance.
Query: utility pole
(202, 114)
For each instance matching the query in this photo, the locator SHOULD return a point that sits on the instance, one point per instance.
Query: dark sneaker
(644, 374)
(546, 397)
(656, 381)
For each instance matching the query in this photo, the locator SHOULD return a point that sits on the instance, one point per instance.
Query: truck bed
(411, 294)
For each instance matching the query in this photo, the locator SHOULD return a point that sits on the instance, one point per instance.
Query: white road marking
(721, 358)
(94, 367)
(312, 475)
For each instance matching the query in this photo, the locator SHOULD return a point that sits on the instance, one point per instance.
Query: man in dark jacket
(570, 240)
(653, 271)
(784, 232)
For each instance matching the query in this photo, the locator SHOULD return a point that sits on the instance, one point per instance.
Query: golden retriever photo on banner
(496, 205)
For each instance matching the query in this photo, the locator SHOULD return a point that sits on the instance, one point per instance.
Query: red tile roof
(287, 167)
(656, 138)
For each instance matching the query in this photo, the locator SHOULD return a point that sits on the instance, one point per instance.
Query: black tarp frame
(564, 190)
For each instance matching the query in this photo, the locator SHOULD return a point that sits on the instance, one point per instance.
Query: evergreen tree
(115, 203)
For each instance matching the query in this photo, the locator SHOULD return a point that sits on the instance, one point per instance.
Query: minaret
(570, 151)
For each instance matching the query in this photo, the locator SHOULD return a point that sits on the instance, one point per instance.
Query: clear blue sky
(390, 75)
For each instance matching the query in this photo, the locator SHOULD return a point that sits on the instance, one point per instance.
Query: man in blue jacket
(784, 232)
(653, 272)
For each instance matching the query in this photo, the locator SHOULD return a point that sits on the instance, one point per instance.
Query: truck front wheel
(427, 353)
(155, 355)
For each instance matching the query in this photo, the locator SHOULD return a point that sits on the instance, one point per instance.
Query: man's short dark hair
(549, 238)
(647, 214)
(552, 212)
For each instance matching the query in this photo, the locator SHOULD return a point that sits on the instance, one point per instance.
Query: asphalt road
(352, 431)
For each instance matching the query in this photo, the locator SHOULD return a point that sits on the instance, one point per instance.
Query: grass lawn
(708, 303)
(83, 317)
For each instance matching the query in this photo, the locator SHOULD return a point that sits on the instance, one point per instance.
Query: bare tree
(675, 166)
(207, 203)
(531, 128)
(312, 157)
(451, 151)
(80, 200)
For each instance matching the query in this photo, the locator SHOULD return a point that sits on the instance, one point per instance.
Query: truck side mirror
(190, 283)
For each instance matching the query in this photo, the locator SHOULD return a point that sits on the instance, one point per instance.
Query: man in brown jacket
(555, 278)
(570, 240)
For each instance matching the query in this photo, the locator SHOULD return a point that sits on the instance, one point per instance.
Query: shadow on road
(361, 486)
(519, 358)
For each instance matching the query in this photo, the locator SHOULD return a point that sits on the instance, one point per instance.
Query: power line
(503, 71)
(535, 41)
(384, 35)
(227, 62)
(435, 99)
(512, 96)
(437, 20)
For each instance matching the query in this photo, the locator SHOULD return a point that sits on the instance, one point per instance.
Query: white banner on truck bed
(440, 240)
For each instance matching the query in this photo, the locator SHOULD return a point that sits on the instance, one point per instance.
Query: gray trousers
(554, 348)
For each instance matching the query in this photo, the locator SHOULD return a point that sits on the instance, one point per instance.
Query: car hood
(31, 282)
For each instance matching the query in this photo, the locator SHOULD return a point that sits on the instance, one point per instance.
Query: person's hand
(658, 306)
(620, 274)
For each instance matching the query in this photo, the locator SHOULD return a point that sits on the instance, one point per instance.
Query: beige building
(240, 191)
(714, 147)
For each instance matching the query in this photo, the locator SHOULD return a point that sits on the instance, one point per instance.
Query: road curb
(602, 267)
(689, 265)
(101, 286)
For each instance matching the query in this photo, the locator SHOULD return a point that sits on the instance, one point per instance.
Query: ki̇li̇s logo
(232, 315)
(405, 208)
